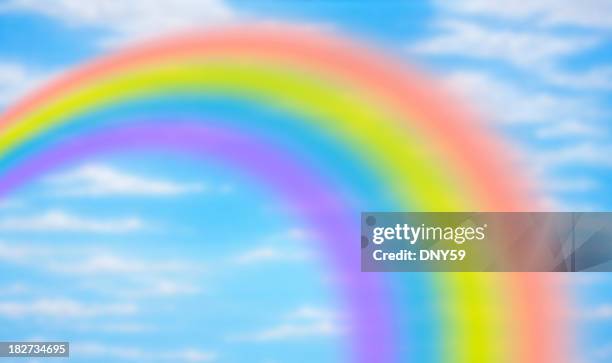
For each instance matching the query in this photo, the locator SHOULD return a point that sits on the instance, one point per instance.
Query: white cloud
(107, 263)
(569, 129)
(520, 48)
(507, 102)
(63, 308)
(290, 331)
(96, 269)
(547, 116)
(141, 355)
(550, 203)
(462, 31)
(59, 221)
(303, 323)
(602, 312)
(583, 154)
(114, 328)
(11, 203)
(584, 13)
(604, 352)
(134, 288)
(130, 20)
(265, 254)
(20, 253)
(15, 288)
(291, 234)
(575, 184)
(92, 261)
(538, 96)
(313, 313)
(284, 246)
(585, 279)
(101, 180)
(173, 288)
(596, 78)
(16, 80)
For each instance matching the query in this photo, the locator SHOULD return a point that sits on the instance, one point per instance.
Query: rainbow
(333, 127)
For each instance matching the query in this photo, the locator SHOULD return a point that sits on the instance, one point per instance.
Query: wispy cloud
(310, 312)
(166, 287)
(290, 234)
(142, 278)
(264, 254)
(14, 288)
(290, 331)
(11, 203)
(95, 180)
(475, 29)
(20, 253)
(98, 350)
(96, 269)
(127, 21)
(598, 313)
(515, 62)
(16, 80)
(577, 184)
(156, 285)
(509, 102)
(596, 78)
(284, 246)
(583, 154)
(551, 13)
(60, 221)
(570, 129)
(304, 323)
(586, 279)
(520, 48)
(604, 352)
(63, 308)
(108, 263)
(122, 327)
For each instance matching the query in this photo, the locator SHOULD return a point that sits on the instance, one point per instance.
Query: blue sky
(539, 72)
